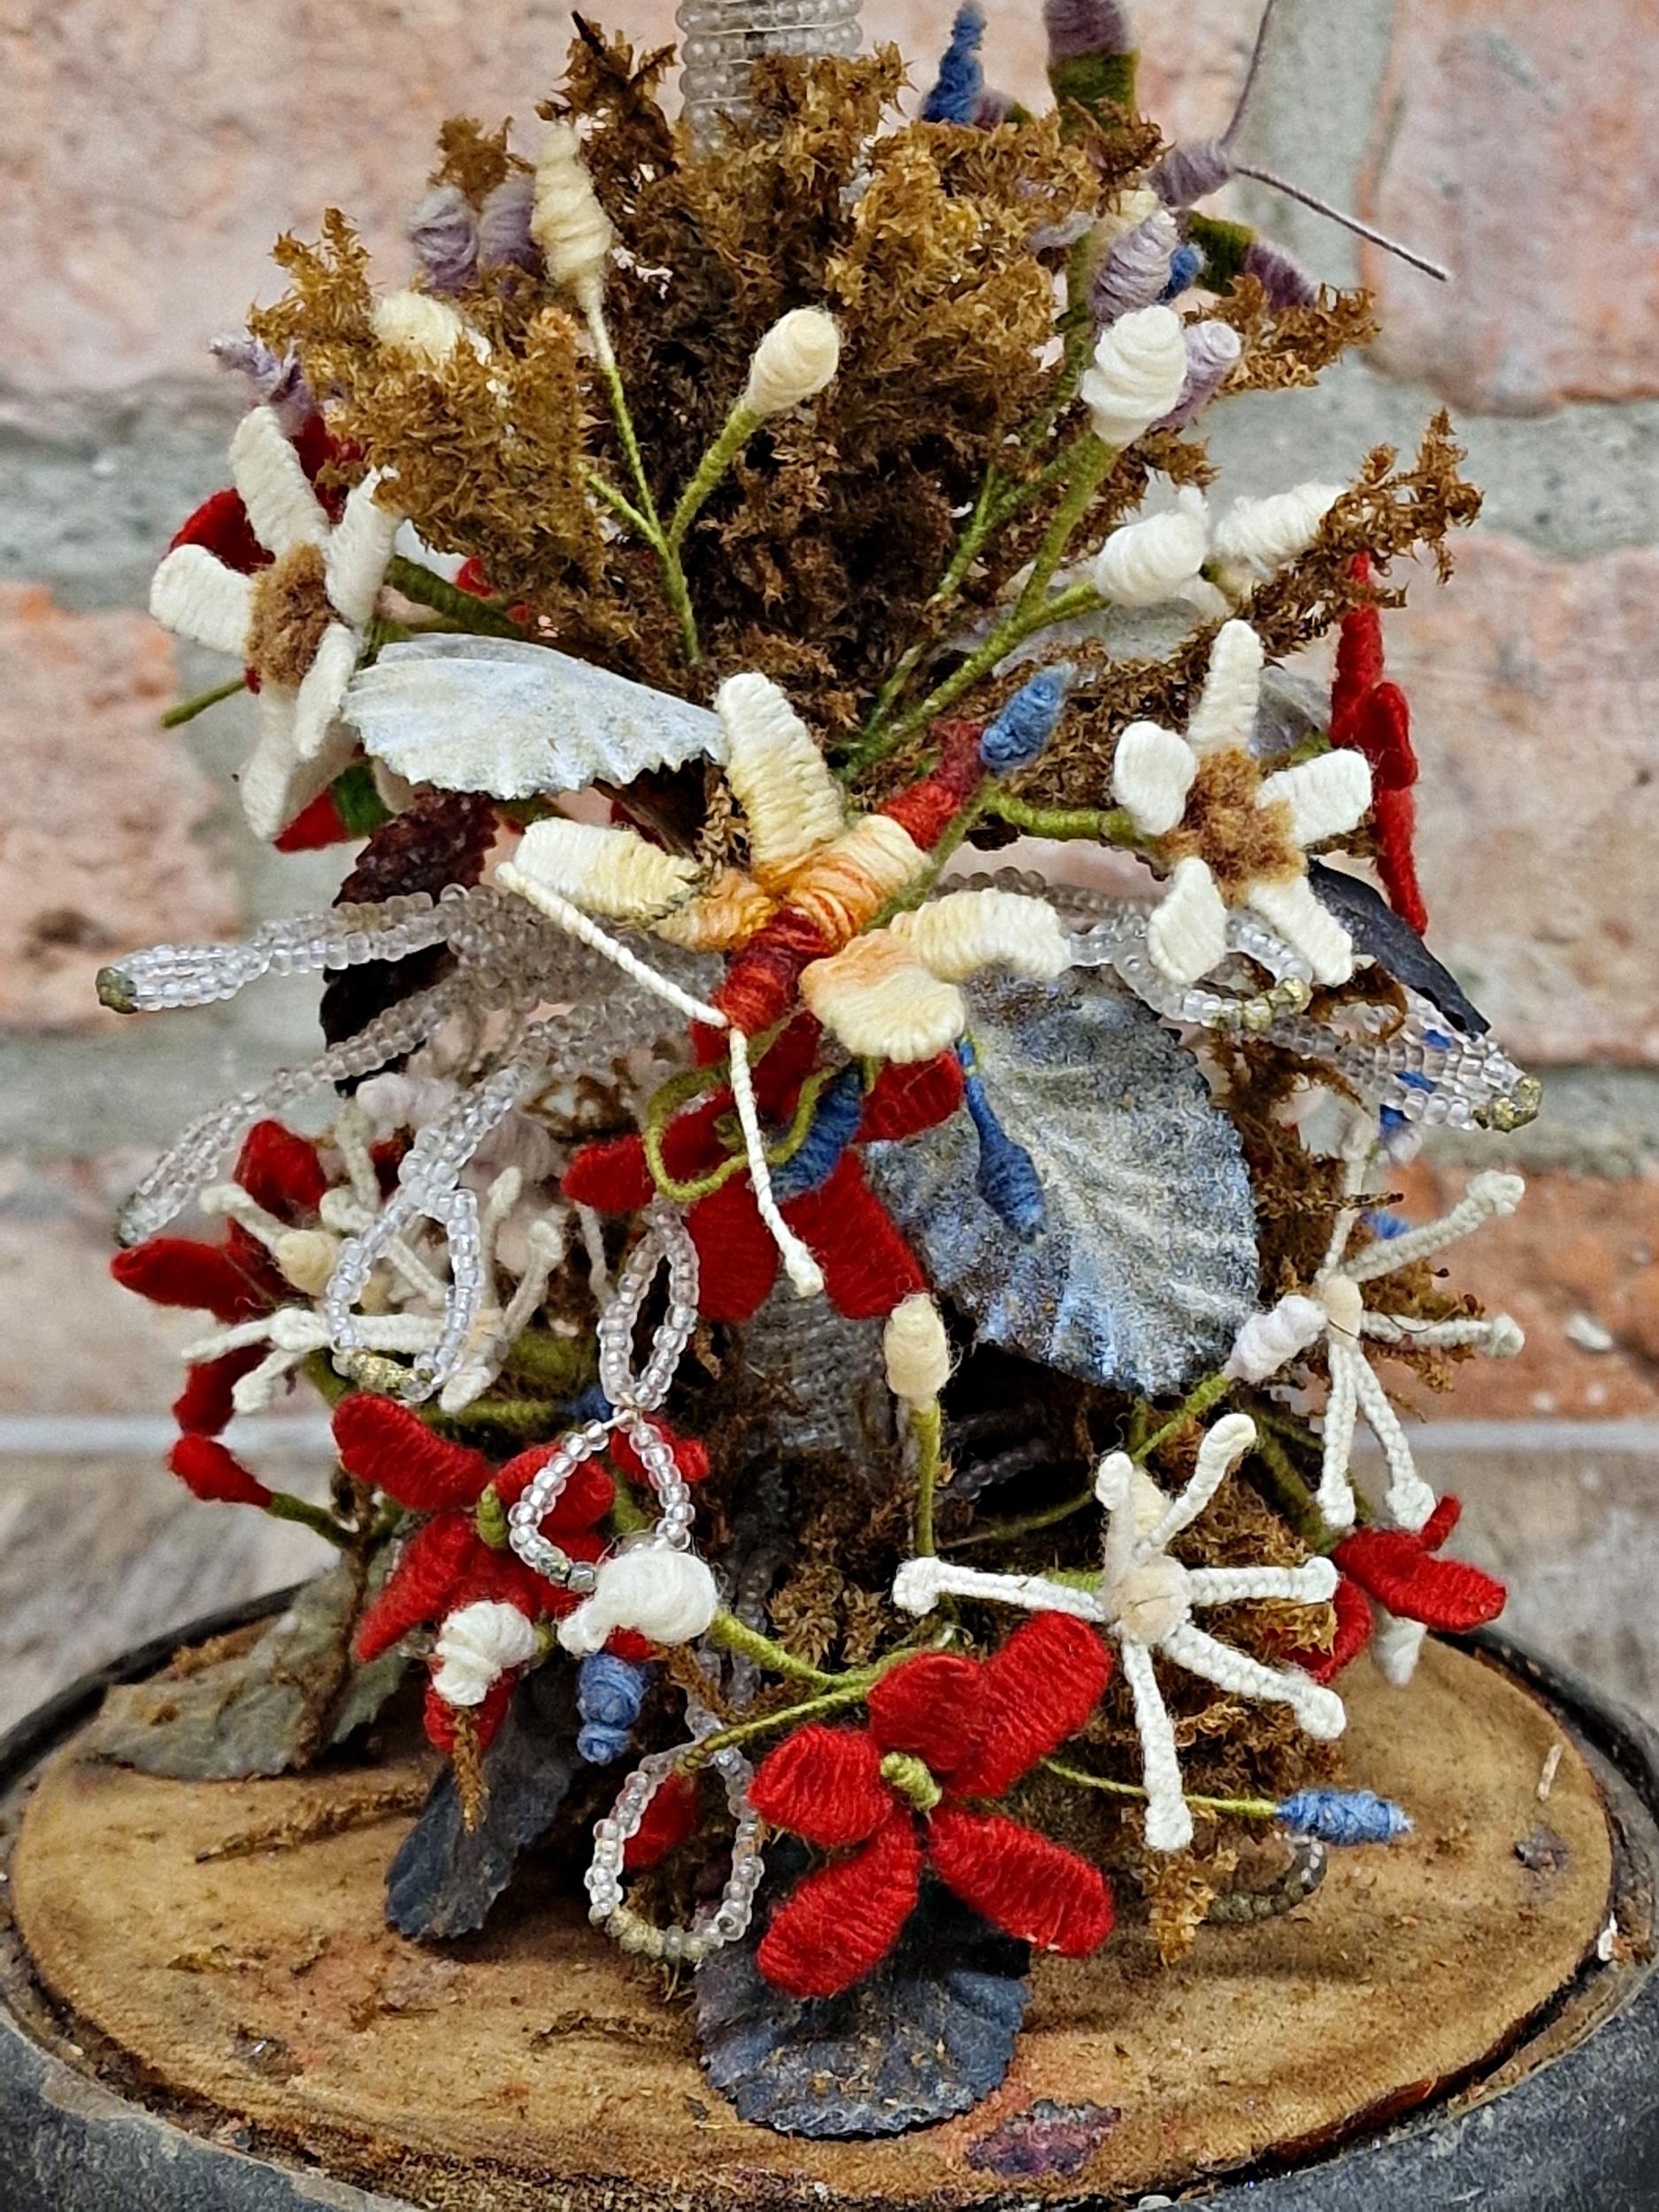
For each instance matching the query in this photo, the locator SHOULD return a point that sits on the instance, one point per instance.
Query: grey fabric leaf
(512, 719)
(1146, 1266)
(445, 1878)
(928, 2034)
(289, 1694)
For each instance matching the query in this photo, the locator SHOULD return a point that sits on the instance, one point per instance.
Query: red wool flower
(1399, 1571)
(234, 1279)
(460, 1554)
(1370, 715)
(868, 1267)
(943, 1731)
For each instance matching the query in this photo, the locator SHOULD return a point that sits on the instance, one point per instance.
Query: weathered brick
(1577, 1268)
(154, 148)
(1515, 144)
(75, 1342)
(1533, 685)
(98, 852)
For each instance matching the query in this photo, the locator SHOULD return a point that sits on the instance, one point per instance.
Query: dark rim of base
(1579, 2130)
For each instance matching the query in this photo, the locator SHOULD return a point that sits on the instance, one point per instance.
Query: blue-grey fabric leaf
(1146, 1267)
(512, 718)
(1385, 937)
(446, 1877)
(927, 2035)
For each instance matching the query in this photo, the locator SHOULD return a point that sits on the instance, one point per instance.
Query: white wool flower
(566, 220)
(793, 362)
(1334, 1309)
(667, 1596)
(476, 1646)
(1139, 372)
(1257, 536)
(1146, 562)
(1145, 1601)
(300, 623)
(1154, 772)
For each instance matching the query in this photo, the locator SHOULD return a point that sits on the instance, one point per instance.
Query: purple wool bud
(274, 379)
(1212, 352)
(1086, 27)
(1284, 279)
(1136, 270)
(443, 232)
(504, 223)
(1188, 173)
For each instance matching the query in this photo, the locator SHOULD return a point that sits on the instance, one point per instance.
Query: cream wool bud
(566, 220)
(427, 329)
(476, 1646)
(1138, 374)
(668, 1596)
(1147, 562)
(1260, 535)
(793, 362)
(916, 1349)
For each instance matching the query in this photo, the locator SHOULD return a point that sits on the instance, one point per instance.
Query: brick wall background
(149, 149)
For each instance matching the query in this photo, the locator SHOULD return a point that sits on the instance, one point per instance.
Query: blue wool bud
(600, 1747)
(1185, 263)
(1008, 1180)
(835, 1123)
(1027, 720)
(1343, 1817)
(609, 1694)
(593, 1405)
(1385, 1225)
(610, 1690)
(957, 93)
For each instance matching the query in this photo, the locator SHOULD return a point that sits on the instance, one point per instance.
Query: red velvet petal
(586, 1498)
(823, 1784)
(928, 1705)
(737, 1260)
(388, 1445)
(667, 1821)
(1393, 820)
(215, 1474)
(690, 1456)
(435, 1561)
(1394, 1569)
(316, 826)
(1021, 1882)
(868, 1267)
(1033, 1693)
(441, 1719)
(281, 1171)
(204, 1406)
(842, 1921)
(220, 524)
(905, 1100)
(612, 1177)
(1352, 1633)
(184, 1272)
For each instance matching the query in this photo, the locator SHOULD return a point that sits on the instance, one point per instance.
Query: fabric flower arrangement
(899, 1796)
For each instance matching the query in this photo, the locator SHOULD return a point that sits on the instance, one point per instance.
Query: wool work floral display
(871, 1384)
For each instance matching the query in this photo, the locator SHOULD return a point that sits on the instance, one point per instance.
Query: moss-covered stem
(187, 709)
(1090, 459)
(646, 520)
(736, 1636)
(1102, 826)
(282, 1505)
(1238, 1807)
(927, 1425)
(735, 432)
(484, 618)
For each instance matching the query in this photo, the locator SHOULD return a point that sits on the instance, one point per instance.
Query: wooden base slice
(531, 2066)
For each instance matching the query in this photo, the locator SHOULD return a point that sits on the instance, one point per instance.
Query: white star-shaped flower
(1333, 1309)
(1230, 835)
(299, 624)
(1145, 1601)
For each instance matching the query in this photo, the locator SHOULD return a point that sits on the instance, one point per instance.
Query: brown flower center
(1242, 841)
(290, 612)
